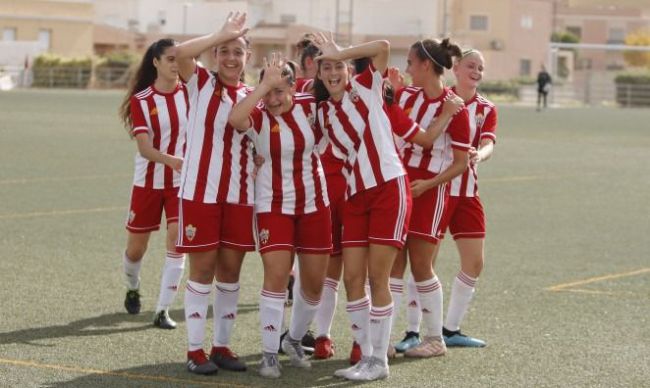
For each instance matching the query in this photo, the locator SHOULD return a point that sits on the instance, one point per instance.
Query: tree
(638, 58)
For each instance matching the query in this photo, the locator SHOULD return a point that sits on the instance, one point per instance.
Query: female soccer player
(429, 170)
(155, 111)
(216, 189)
(467, 218)
(377, 210)
(291, 206)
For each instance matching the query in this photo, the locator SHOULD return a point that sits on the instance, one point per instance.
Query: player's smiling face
(231, 58)
(280, 99)
(469, 70)
(166, 65)
(334, 75)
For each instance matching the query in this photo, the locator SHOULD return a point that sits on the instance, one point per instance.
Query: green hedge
(633, 89)
(115, 69)
(54, 71)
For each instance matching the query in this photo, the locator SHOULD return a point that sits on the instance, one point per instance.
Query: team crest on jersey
(264, 236)
(190, 232)
(131, 216)
(480, 119)
(217, 92)
(408, 111)
(354, 95)
(275, 128)
(154, 111)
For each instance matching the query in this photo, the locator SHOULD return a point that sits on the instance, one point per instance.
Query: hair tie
(429, 55)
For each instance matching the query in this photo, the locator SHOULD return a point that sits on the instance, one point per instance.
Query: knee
(136, 252)
(312, 291)
(378, 281)
(473, 266)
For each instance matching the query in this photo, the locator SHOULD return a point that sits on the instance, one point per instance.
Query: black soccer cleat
(132, 302)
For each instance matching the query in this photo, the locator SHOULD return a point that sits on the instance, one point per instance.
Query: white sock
(302, 314)
(271, 312)
(171, 278)
(224, 311)
(131, 272)
(325, 313)
(197, 300)
(462, 292)
(396, 292)
(430, 295)
(359, 313)
(380, 324)
(413, 312)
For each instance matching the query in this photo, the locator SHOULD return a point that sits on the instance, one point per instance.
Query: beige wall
(70, 23)
(517, 30)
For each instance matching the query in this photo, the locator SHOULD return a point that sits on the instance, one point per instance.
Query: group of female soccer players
(355, 173)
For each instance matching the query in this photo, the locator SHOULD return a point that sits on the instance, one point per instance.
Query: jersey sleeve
(137, 118)
(458, 130)
(370, 78)
(403, 126)
(489, 129)
(198, 80)
(256, 117)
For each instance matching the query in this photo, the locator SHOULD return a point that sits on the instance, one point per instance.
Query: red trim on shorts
(353, 244)
(276, 247)
(425, 237)
(314, 251)
(197, 248)
(237, 247)
(147, 229)
(469, 235)
(392, 243)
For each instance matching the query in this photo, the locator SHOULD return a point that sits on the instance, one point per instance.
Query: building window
(9, 34)
(527, 22)
(478, 23)
(45, 38)
(616, 35)
(524, 67)
(575, 30)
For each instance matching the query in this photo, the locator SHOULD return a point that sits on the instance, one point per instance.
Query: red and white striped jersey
(424, 110)
(218, 161)
(292, 181)
(359, 128)
(304, 85)
(482, 124)
(163, 116)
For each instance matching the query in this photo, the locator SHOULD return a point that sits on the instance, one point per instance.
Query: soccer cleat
(198, 363)
(345, 372)
(374, 369)
(411, 339)
(270, 366)
(132, 302)
(163, 321)
(226, 359)
(308, 342)
(458, 339)
(355, 353)
(324, 348)
(293, 349)
(431, 346)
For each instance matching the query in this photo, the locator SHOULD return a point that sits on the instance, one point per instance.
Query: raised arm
(233, 28)
(378, 51)
(240, 115)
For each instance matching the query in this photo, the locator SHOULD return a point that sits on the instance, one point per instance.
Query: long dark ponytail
(144, 76)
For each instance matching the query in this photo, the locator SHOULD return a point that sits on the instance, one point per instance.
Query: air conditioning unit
(496, 44)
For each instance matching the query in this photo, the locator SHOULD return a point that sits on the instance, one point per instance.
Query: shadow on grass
(101, 325)
(174, 374)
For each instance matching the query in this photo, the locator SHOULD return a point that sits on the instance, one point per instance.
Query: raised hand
(396, 78)
(233, 28)
(452, 105)
(328, 48)
(273, 71)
